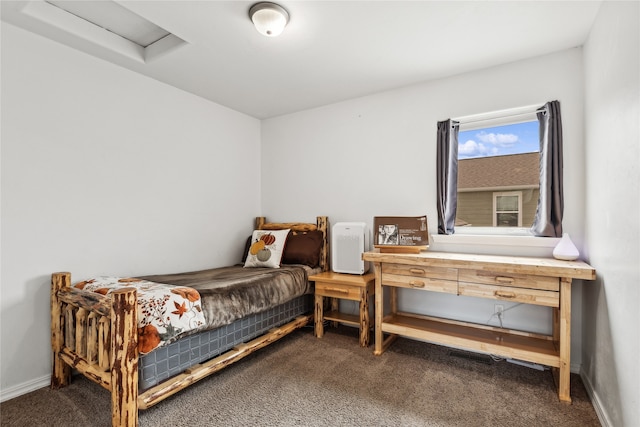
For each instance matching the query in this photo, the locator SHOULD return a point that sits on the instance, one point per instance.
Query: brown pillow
(246, 250)
(303, 248)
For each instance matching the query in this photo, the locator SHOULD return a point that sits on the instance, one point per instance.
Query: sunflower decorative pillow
(266, 248)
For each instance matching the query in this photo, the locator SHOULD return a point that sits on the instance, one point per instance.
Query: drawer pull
(504, 279)
(342, 291)
(416, 271)
(503, 294)
(416, 284)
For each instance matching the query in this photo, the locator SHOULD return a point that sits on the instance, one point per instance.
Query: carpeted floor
(304, 381)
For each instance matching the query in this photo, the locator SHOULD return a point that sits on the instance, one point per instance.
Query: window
(547, 220)
(498, 176)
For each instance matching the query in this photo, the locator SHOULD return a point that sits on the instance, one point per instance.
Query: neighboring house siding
(476, 208)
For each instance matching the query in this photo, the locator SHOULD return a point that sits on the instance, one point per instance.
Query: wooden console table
(539, 281)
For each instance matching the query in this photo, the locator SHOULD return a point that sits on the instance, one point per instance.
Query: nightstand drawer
(508, 279)
(508, 293)
(421, 283)
(419, 271)
(338, 291)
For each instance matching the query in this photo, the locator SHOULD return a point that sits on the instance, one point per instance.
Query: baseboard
(24, 388)
(575, 368)
(595, 401)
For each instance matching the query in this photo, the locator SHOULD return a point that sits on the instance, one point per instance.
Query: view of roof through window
(498, 176)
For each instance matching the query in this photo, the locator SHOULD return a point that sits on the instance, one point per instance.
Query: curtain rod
(500, 115)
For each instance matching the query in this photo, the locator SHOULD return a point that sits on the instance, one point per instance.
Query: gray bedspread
(230, 293)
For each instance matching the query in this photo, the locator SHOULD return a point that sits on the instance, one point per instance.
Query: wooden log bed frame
(98, 336)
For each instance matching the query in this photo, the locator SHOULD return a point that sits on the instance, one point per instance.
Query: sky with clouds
(499, 141)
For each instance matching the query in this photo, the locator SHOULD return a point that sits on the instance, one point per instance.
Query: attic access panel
(100, 28)
(114, 18)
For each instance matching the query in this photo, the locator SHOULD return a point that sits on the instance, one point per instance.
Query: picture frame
(409, 234)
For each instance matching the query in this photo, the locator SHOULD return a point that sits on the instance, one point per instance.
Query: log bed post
(124, 358)
(323, 225)
(60, 371)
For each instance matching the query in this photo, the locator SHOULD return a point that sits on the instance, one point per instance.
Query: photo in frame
(400, 233)
(387, 234)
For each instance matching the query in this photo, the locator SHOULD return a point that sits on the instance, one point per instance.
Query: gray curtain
(447, 175)
(548, 219)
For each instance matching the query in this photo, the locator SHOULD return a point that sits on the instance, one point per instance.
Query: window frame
(498, 118)
(547, 225)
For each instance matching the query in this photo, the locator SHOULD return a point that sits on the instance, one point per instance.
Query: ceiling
(330, 50)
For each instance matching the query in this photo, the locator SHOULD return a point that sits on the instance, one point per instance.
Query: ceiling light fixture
(269, 18)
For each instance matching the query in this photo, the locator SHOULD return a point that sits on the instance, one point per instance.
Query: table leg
(335, 306)
(564, 392)
(378, 310)
(319, 316)
(364, 317)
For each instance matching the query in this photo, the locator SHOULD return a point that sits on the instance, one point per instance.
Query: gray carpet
(304, 381)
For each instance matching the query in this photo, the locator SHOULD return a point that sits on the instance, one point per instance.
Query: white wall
(376, 156)
(612, 122)
(104, 172)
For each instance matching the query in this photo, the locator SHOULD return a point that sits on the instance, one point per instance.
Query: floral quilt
(164, 311)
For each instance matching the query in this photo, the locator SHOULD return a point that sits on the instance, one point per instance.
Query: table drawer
(508, 293)
(419, 271)
(421, 283)
(338, 291)
(513, 280)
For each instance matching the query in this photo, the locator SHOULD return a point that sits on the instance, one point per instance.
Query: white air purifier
(348, 241)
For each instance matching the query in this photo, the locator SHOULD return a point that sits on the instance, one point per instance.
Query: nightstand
(343, 286)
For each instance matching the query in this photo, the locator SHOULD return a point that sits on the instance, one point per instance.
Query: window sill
(495, 244)
(493, 239)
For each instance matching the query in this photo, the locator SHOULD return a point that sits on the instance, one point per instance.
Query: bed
(96, 328)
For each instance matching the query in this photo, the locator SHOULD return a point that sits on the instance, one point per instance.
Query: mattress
(173, 359)
(239, 304)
